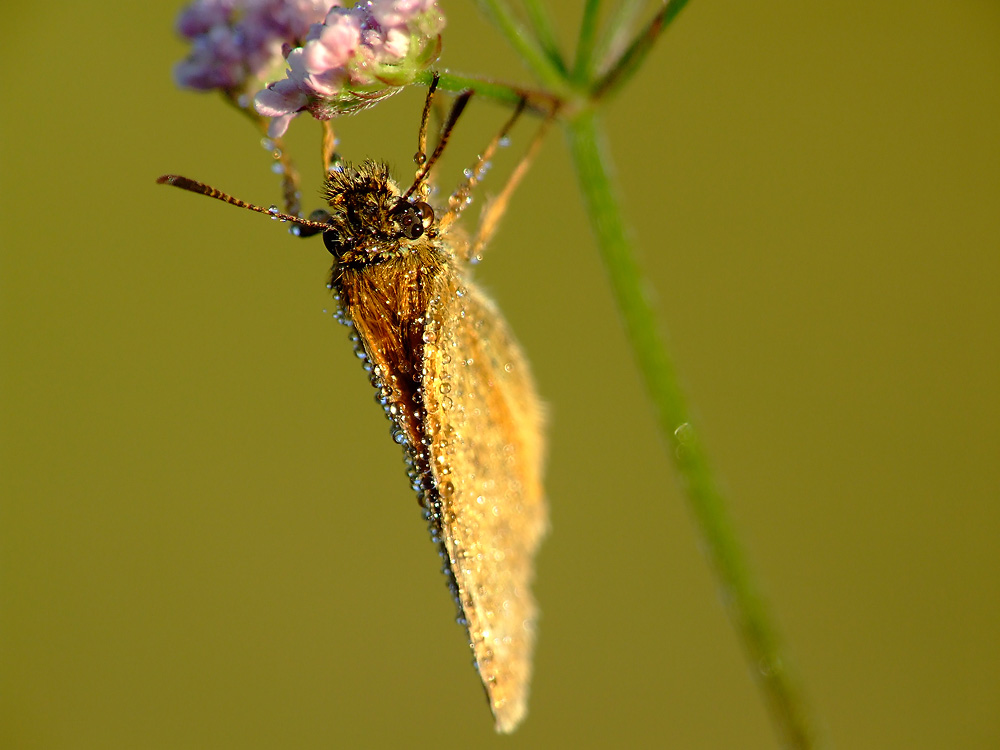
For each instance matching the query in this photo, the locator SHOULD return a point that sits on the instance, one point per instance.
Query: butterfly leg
(489, 220)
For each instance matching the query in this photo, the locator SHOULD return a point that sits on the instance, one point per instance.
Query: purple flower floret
(357, 56)
(237, 45)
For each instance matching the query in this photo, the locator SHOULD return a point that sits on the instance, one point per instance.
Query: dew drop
(768, 667)
(278, 168)
(685, 437)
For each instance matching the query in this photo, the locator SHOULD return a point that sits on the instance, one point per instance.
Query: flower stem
(524, 44)
(585, 44)
(542, 27)
(618, 28)
(541, 102)
(632, 58)
(746, 608)
(289, 173)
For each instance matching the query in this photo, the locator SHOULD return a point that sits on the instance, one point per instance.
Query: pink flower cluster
(236, 45)
(357, 56)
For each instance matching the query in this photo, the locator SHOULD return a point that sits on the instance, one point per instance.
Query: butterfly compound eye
(410, 220)
(426, 213)
(332, 241)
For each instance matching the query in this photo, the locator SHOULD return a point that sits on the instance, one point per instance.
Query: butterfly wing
(483, 427)
(476, 450)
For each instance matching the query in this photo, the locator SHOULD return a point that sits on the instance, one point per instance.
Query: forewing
(483, 428)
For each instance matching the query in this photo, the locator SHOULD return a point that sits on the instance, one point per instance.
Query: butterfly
(453, 381)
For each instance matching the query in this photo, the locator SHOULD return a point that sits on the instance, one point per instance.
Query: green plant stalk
(541, 102)
(621, 19)
(524, 44)
(746, 608)
(541, 25)
(585, 43)
(633, 57)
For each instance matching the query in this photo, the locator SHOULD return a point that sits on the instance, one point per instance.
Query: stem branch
(540, 102)
(524, 44)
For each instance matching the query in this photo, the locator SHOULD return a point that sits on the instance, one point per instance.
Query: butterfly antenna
(200, 187)
(456, 110)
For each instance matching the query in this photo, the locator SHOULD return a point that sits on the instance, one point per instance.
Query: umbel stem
(746, 607)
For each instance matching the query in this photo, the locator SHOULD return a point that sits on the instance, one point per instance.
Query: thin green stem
(584, 62)
(545, 33)
(632, 58)
(524, 44)
(746, 607)
(541, 102)
(617, 30)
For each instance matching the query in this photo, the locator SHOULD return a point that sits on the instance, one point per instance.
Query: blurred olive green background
(207, 537)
